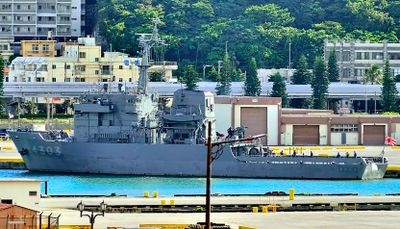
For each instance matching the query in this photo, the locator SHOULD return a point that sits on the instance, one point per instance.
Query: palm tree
(373, 75)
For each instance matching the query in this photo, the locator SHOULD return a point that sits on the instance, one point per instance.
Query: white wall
(76, 13)
(323, 134)
(287, 135)
(18, 190)
(223, 115)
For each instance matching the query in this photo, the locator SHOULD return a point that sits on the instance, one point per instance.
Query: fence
(39, 221)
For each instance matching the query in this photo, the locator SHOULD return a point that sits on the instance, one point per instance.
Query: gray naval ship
(125, 133)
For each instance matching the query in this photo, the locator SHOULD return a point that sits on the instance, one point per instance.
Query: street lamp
(92, 217)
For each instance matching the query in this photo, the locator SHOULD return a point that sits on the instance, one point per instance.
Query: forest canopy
(197, 31)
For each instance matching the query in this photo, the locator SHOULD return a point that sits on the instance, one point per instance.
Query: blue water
(168, 186)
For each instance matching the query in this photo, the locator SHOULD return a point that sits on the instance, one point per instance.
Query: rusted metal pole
(208, 186)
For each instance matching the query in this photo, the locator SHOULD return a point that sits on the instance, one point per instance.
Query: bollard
(291, 194)
(163, 202)
(264, 209)
(255, 209)
(155, 194)
(146, 194)
(172, 202)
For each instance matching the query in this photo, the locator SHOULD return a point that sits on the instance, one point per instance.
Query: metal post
(48, 221)
(366, 99)
(208, 186)
(40, 220)
(375, 103)
(45, 187)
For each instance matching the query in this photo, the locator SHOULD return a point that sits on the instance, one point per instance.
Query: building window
(96, 72)
(35, 47)
(346, 56)
(82, 54)
(120, 67)
(67, 80)
(377, 55)
(358, 56)
(344, 128)
(32, 193)
(96, 59)
(81, 68)
(394, 56)
(18, 7)
(53, 66)
(45, 48)
(68, 66)
(120, 80)
(54, 80)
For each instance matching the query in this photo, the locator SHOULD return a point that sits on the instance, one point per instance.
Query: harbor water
(86, 184)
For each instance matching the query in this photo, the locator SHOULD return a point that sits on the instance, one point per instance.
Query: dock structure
(306, 212)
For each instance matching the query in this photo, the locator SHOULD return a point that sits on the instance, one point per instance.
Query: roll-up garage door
(305, 135)
(255, 119)
(374, 135)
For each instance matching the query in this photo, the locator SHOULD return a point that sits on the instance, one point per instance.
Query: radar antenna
(146, 42)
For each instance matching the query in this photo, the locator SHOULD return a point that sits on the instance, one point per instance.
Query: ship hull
(180, 160)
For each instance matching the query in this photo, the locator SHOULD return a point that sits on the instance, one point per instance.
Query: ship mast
(146, 42)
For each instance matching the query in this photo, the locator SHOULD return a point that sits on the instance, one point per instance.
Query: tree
(213, 75)
(157, 76)
(319, 84)
(302, 75)
(190, 77)
(2, 108)
(224, 84)
(333, 71)
(389, 90)
(279, 89)
(252, 86)
(397, 78)
(373, 74)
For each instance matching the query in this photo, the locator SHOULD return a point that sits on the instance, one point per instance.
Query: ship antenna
(146, 42)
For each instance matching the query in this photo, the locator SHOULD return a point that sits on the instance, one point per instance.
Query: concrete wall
(21, 192)
(351, 138)
(223, 115)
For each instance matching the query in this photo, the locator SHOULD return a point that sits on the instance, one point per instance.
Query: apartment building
(81, 61)
(24, 19)
(354, 58)
(5, 48)
(40, 48)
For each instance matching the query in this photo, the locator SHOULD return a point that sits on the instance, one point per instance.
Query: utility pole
(290, 55)
(204, 70)
(208, 185)
(210, 159)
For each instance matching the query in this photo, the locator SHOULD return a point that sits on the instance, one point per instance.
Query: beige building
(39, 48)
(82, 62)
(5, 48)
(22, 192)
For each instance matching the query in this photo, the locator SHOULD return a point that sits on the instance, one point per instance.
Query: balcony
(23, 22)
(46, 22)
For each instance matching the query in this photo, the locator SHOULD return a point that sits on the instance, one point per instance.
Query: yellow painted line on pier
(72, 227)
(166, 226)
(11, 160)
(327, 148)
(393, 168)
(7, 148)
(350, 147)
(395, 147)
(246, 227)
